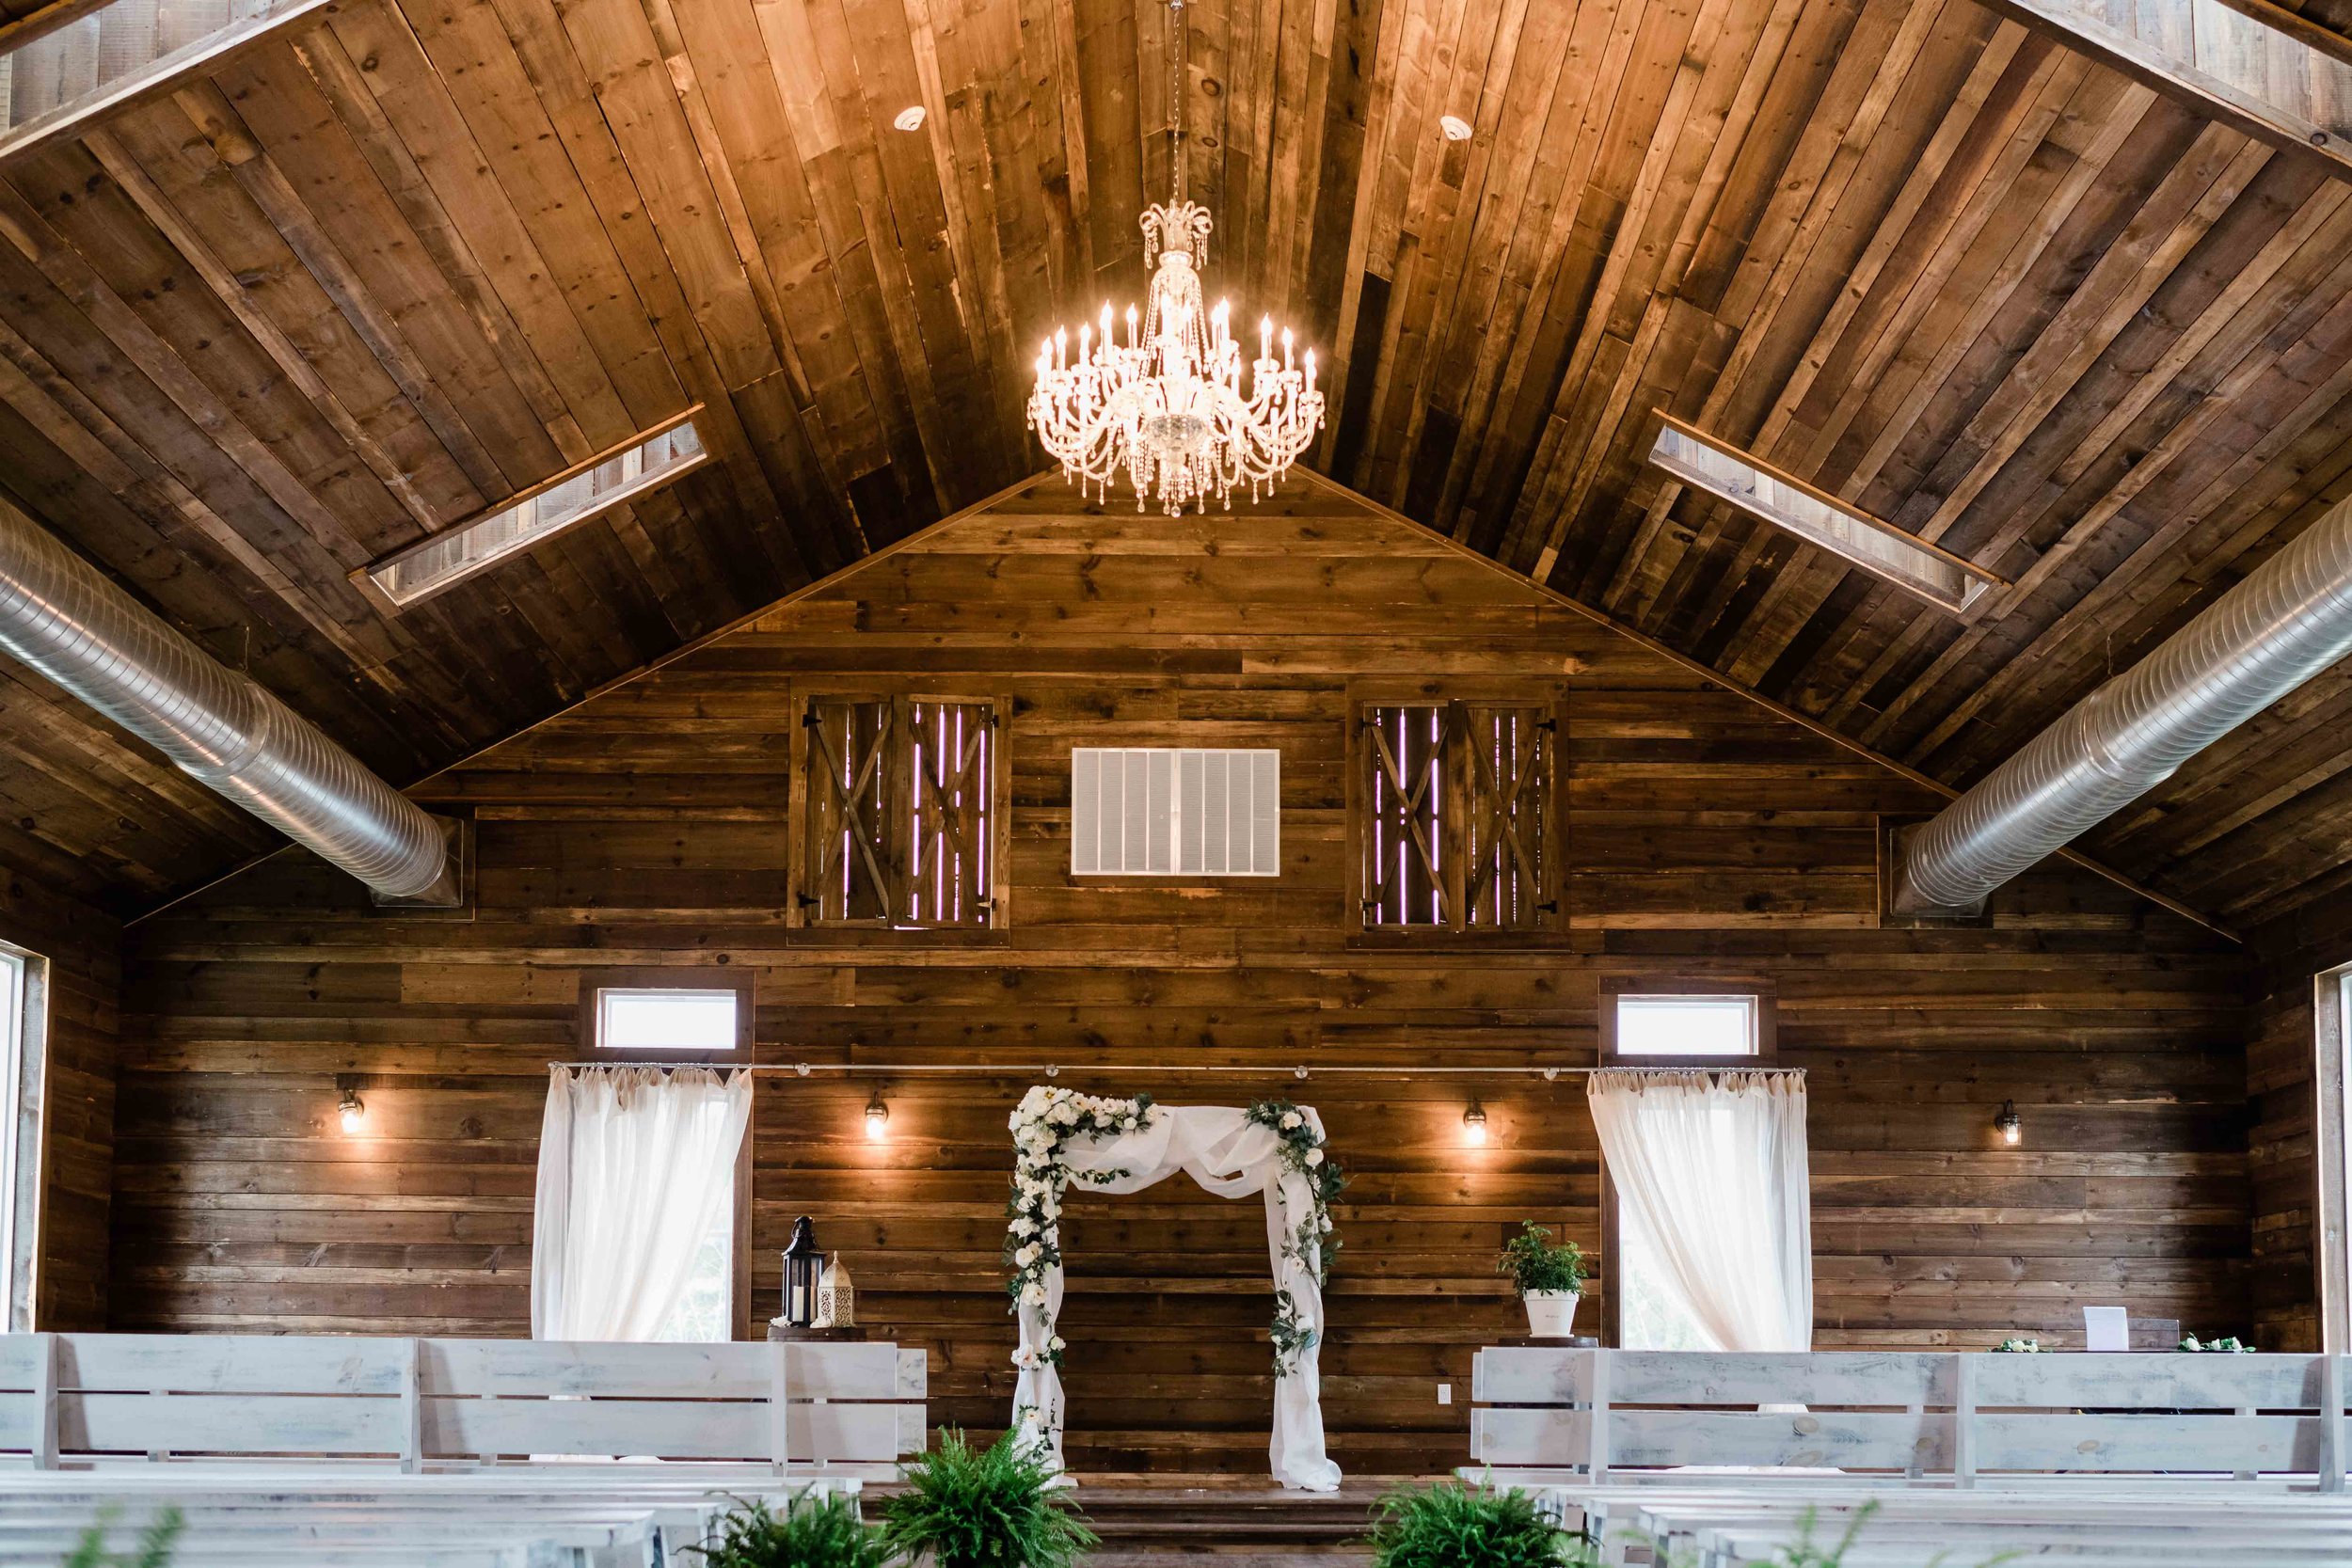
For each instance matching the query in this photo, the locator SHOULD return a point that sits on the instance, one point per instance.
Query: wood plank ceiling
(382, 270)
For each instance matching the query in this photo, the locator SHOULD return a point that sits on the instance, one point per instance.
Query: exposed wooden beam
(2261, 68)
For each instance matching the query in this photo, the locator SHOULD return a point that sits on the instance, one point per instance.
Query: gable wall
(1705, 838)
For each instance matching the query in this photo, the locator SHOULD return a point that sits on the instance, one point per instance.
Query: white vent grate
(1166, 812)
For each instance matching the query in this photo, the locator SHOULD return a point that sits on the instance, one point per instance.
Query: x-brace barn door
(1456, 810)
(900, 811)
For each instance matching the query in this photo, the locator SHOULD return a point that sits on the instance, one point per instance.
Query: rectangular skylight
(540, 513)
(85, 67)
(2278, 73)
(1881, 549)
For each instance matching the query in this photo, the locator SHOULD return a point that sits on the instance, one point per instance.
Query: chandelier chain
(1180, 407)
(1176, 95)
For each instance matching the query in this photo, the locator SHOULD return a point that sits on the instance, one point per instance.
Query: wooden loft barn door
(1456, 802)
(900, 813)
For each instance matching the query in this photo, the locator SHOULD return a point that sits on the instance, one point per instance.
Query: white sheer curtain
(1712, 1166)
(634, 1164)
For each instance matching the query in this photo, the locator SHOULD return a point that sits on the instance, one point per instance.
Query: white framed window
(635, 1019)
(21, 1060)
(1672, 1025)
(1671, 1021)
(2331, 1018)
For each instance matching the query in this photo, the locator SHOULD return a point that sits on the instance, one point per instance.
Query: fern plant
(995, 1507)
(152, 1551)
(1452, 1525)
(811, 1532)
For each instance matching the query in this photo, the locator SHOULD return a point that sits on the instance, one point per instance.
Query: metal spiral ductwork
(2283, 625)
(60, 617)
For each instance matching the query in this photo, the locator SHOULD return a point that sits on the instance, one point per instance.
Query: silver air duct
(61, 617)
(2283, 625)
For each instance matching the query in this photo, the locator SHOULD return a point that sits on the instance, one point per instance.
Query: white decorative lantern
(836, 1298)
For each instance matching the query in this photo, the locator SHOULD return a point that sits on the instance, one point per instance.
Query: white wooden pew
(1594, 1415)
(448, 1451)
(2152, 1458)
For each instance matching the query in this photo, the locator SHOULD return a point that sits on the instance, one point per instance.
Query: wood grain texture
(81, 945)
(1703, 837)
(2282, 1069)
(399, 261)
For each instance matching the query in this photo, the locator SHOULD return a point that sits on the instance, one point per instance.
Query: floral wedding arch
(1124, 1146)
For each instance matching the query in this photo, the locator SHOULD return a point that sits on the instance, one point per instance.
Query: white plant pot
(1551, 1314)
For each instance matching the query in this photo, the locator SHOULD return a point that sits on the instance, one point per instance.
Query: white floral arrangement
(1314, 1242)
(2020, 1346)
(2227, 1345)
(1042, 1125)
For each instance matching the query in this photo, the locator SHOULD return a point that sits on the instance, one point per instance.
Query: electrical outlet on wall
(1445, 1393)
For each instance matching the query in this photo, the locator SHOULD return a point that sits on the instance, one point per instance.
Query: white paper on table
(2106, 1328)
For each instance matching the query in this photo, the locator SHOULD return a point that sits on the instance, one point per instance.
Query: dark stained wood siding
(82, 945)
(2281, 1070)
(1705, 836)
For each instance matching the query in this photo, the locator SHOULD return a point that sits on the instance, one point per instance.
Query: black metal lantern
(804, 1263)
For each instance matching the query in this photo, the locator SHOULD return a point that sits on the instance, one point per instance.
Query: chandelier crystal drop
(1168, 405)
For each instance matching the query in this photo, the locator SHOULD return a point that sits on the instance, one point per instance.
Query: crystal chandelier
(1167, 405)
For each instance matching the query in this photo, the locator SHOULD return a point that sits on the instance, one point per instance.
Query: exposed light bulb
(877, 1118)
(351, 1110)
(1474, 1123)
(2009, 1125)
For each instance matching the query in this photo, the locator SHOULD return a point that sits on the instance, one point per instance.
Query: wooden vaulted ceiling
(407, 257)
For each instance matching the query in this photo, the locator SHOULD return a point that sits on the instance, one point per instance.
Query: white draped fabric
(633, 1166)
(1713, 1166)
(1228, 1156)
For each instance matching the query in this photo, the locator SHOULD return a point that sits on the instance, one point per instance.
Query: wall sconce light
(352, 1110)
(2006, 1124)
(877, 1118)
(1474, 1123)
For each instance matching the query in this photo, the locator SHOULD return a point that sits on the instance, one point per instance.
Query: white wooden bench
(1595, 1415)
(2144, 1458)
(448, 1451)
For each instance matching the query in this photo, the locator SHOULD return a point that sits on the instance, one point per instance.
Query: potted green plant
(1549, 1278)
(811, 1532)
(996, 1507)
(1449, 1524)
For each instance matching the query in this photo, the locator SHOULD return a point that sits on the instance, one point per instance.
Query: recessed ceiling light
(910, 117)
(1455, 127)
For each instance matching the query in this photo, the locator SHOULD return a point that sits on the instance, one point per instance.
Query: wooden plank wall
(2280, 1064)
(83, 948)
(1705, 838)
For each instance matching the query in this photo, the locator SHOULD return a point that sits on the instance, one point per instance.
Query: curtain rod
(1054, 1070)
